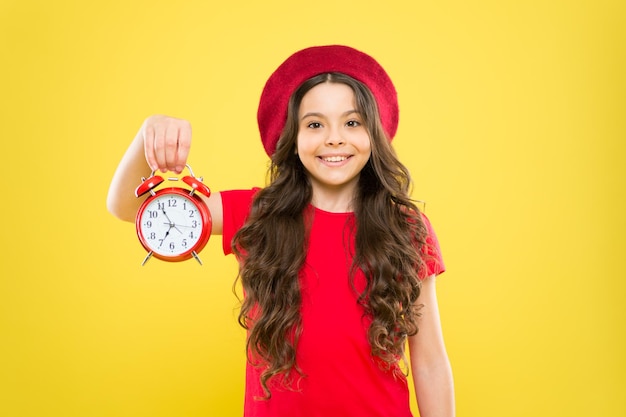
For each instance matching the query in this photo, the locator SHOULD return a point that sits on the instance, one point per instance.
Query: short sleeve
(431, 252)
(236, 206)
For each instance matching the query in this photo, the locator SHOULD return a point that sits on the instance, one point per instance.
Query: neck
(333, 202)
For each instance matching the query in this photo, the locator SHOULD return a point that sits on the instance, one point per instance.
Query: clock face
(171, 225)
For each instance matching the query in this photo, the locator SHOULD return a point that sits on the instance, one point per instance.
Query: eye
(314, 125)
(353, 123)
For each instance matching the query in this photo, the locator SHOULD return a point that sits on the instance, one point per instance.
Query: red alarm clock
(173, 224)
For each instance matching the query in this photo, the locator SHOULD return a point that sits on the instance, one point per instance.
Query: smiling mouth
(334, 158)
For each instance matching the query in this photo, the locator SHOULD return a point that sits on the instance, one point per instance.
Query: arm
(432, 374)
(162, 143)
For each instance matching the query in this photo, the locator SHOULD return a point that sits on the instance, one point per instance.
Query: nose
(334, 137)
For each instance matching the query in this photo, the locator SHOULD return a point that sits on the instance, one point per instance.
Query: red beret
(309, 62)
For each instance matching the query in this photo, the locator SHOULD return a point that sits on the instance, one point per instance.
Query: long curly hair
(272, 247)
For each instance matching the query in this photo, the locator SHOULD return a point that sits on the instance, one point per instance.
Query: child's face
(333, 143)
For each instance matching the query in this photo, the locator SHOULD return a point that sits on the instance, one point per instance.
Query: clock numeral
(149, 224)
(191, 235)
(153, 214)
(172, 203)
(160, 205)
(194, 224)
(172, 246)
(192, 214)
(184, 243)
(152, 236)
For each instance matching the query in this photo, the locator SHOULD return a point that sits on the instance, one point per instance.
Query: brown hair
(272, 246)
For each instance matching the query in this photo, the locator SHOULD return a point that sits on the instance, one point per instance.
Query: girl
(337, 264)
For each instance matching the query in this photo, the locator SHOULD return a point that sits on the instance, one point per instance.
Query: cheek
(365, 145)
(304, 145)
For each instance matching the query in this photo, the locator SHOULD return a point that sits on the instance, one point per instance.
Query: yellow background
(512, 122)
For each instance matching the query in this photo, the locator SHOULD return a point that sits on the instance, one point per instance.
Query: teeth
(335, 158)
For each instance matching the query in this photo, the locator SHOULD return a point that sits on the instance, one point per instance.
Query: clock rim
(205, 214)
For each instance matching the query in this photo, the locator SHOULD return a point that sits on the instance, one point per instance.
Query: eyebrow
(316, 114)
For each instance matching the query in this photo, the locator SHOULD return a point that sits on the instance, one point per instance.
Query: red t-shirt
(342, 377)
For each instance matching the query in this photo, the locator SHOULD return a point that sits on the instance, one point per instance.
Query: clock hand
(167, 217)
(170, 222)
(165, 237)
(183, 225)
(174, 226)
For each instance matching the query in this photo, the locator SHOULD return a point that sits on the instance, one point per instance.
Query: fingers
(148, 145)
(167, 142)
(184, 145)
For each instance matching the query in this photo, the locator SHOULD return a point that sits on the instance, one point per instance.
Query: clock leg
(146, 258)
(195, 255)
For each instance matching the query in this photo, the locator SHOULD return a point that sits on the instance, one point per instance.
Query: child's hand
(166, 142)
